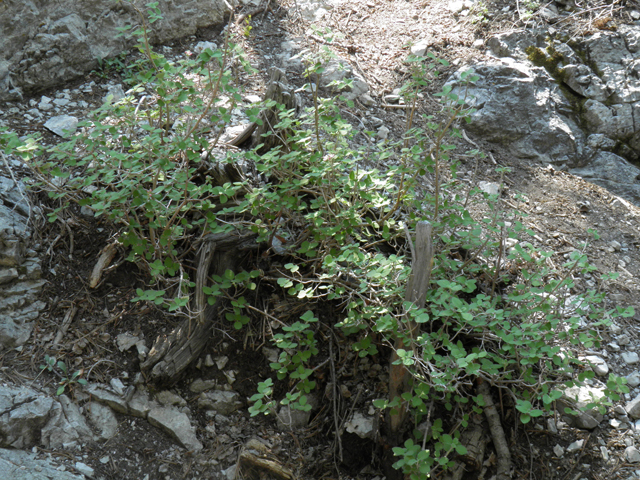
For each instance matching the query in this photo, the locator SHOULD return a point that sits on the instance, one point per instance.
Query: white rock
(575, 446)
(383, 133)
(489, 187)
(84, 469)
(419, 49)
(62, 123)
(632, 454)
(630, 358)
(599, 366)
(613, 346)
(558, 451)
(115, 93)
(221, 362)
(125, 341)
(202, 46)
(360, 425)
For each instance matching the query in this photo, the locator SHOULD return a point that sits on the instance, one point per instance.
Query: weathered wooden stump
(171, 354)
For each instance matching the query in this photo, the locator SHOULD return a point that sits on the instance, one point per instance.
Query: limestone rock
(177, 425)
(102, 419)
(46, 43)
(21, 465)
(508, 90)
(67, 428)
(24, 413)
(577, 398)
(222, 402)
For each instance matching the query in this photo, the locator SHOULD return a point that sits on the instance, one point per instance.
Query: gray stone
(630, 358)
(575, 446)
(271, 354)
(383, 133)
(103, 420)
(21, 465)
(222, 402)
(338, 76)
(166, 397)
(117, 386)
(24, 412)
(140, 405)
(221, 362)
(633, 379)
(558, 451)
(125, 341)
(199, 385)
(62, 125)
(102, 394)
(85, 469)
(613, 173)
(67, 428)
(581, 79)
(506, 89)
(292, 419)
(633, 408)
(632, 454)
(599, 366)
(577, 399)
(175, 424)
(47, 43)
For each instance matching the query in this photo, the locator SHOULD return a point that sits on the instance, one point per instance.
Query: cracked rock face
(46, 43)
(519, 104)
(20, 270)
(579, 107)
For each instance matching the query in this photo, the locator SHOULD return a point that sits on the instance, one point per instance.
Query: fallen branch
(497, 433)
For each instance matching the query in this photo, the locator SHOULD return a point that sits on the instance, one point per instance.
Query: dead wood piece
(473, 439)
(68, 318)
(257, 462)
(416, 293)
(265, 130)
(171, 354)
(497, 433)
(106, 255)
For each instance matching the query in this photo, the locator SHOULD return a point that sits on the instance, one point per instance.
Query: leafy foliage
(498, 309)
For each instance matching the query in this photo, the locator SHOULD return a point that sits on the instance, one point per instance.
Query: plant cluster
(59, 368)
(497, 310)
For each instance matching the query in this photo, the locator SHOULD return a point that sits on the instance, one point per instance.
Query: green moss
(549, 60)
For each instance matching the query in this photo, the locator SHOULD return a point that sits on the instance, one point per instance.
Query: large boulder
(519, 104)
(46, 43)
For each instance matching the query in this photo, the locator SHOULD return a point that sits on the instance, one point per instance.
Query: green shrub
(498, 310)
